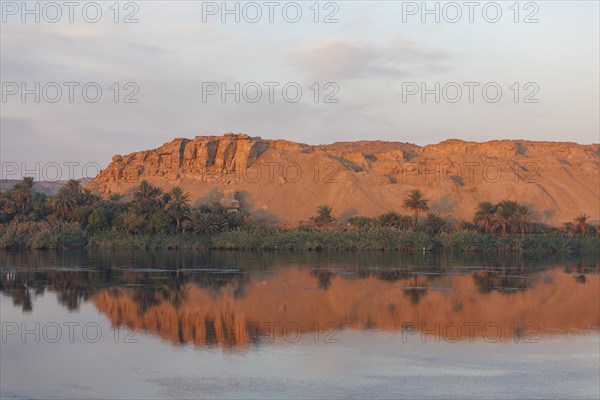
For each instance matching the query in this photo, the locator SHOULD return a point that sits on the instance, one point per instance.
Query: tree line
(503, 218)
(149, 209)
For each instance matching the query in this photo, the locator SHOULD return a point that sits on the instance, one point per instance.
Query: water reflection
(220, 299)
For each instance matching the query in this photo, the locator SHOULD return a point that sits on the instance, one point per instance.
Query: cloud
(341, 59)
(171, 52)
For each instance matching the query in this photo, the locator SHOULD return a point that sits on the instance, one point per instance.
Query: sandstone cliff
(283, 182)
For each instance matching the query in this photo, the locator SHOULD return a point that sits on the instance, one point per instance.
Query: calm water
(297, 325)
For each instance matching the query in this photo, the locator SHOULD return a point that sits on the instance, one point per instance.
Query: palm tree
(394, 220)
(7, 207)
(324, 216)
(504, 217)
(195, 222)
(72, 188)
(523, 218)
(200, 221)
(115, 198)
(434, 223)
(63, 205)
(484, 214)
(581, 221)
(147, 198)
(416, 202)
(239, 219)
(21, 193)
(390, 219)
(67, 199)
(178, 206)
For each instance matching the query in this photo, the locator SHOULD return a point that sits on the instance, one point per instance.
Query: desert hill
(282, 182)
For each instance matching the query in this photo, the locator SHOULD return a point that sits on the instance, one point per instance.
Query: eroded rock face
(283, 182)
(215, 154)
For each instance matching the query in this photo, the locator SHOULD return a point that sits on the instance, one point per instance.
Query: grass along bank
(263, 238)
(384, 239)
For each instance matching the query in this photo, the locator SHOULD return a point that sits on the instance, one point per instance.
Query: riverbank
(380, 240)
(70, 235)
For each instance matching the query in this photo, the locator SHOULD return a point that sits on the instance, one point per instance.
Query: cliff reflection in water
(232, 306)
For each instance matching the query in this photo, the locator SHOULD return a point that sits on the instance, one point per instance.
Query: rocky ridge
(282, 182)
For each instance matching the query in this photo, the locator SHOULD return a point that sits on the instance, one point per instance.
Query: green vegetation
(416, 203)
(582, 223)
(484, 215)
(324, 216)
(151, 218)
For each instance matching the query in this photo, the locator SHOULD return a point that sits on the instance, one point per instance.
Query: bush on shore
(42, 235)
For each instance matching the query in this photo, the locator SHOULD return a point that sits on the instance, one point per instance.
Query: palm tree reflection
(230, 307)
(416, 290)
(504, 280)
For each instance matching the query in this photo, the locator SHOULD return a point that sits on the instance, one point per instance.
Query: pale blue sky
(370, 53)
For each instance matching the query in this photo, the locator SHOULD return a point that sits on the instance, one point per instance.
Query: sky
(82, 84)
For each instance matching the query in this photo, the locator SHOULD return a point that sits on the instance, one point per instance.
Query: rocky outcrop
(219, 154)
(283, 182)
